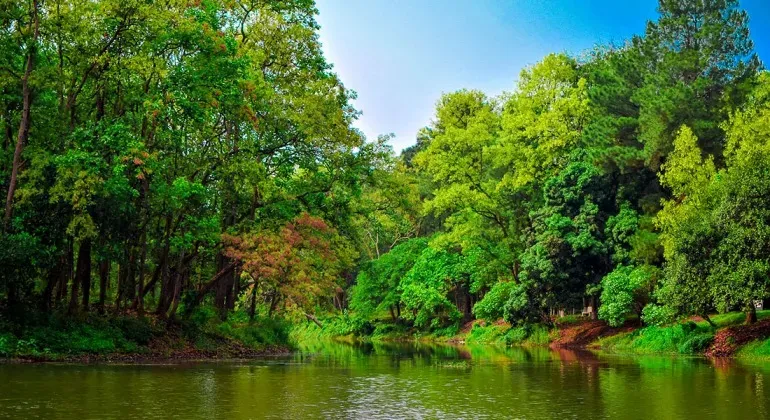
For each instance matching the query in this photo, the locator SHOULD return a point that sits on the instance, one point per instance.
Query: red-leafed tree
(294, 267)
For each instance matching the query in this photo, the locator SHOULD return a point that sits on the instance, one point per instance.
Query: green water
(394, 381)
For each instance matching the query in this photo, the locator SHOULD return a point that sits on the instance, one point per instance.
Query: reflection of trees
(474, 381)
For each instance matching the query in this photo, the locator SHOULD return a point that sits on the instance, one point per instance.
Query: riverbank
(728, 338)
(131, 338)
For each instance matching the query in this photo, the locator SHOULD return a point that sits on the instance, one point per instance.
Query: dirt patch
(468, 326)
(728, 340)
(581, 334)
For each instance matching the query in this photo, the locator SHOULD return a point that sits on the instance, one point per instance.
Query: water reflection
(386, 380)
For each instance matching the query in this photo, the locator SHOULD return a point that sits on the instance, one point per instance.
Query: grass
(733, 318)
(525, 335)
(570, 319)
(339, 327)
(687, 338)
(681, 338)
(487, 334)
(530, 335)
(755, 351)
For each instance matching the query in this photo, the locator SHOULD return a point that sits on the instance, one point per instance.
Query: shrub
(657, 315)
(697, 343)
(138, 330)
(492, 306)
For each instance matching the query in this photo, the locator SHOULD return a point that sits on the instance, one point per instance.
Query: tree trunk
(155, 274)
(180, 279)
(53, 280)
(65, 263)
(83, 271)
(273, 304)
(130, 280)
(23, 136)
(314, 319)
(74, 293)
(139, 298)
(224, 300)
(751, 315)
(212, 283)
(165, 285)
(235, 290)
(104, 281)
(168, 293)
(143, 220)
(122, 270)
(253, 308)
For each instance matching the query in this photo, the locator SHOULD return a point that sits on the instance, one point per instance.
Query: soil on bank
(727, 341)
(583, 334)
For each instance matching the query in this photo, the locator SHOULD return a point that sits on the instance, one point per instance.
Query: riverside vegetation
(183, 179)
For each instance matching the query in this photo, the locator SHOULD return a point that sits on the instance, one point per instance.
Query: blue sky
(401, 55)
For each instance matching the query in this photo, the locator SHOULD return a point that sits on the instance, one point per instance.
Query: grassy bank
(695, 336)
(690, 337)
(130, 337)
(346, 328)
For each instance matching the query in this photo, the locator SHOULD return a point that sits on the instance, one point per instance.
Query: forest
(188, 160)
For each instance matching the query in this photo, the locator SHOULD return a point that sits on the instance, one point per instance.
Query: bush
(657, 315)
(7, 345)
(487, 334)
(138, 330)
(255, 334)
(492, 306)
(697, 343)
(528, 334)
(684, 338)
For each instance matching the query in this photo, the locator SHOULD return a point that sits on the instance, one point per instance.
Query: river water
(333, 380)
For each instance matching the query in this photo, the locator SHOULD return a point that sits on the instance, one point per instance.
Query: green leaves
(625, 290)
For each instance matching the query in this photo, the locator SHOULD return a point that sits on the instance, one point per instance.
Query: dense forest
(161, 158)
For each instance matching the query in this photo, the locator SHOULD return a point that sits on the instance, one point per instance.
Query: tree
(377, 287)
(701, 60)
(294, 267)
(425, 288)
(634, 249)
(567, 255)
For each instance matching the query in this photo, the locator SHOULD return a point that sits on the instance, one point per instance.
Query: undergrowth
(61, 336)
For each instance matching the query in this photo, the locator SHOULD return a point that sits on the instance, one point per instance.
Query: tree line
(631, 178)
(159, 157)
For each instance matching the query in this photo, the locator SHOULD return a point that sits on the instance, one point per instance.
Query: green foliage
(653, 314)
(626, 289)
(528, 334)
(63, 337)
(377, 285)
(426, 285)
(491, 307)
(203, 156)
(487, 334)
(567, 253)
(334, 327)
(758, 350)
(687, 338)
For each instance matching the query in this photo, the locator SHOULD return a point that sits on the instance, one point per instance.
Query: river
(334, 380)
